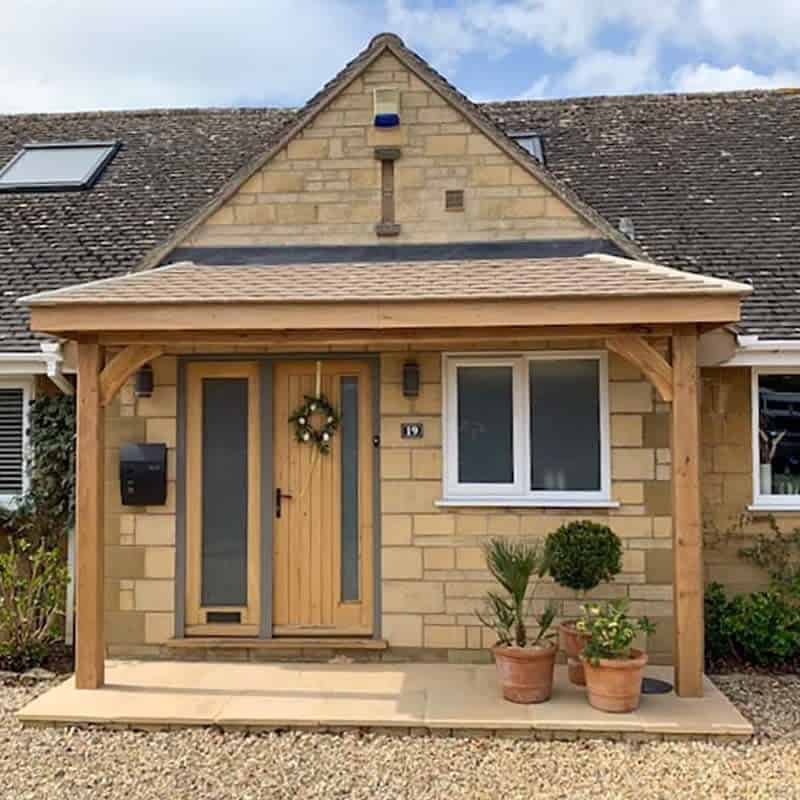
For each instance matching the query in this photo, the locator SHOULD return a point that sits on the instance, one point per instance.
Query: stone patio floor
(440, 698)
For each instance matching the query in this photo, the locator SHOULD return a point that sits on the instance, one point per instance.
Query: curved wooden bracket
(644, 356)
(122, 366)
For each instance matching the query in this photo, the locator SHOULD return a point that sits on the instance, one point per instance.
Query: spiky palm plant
(513, 564)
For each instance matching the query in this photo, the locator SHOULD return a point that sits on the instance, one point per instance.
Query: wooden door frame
(267, 482)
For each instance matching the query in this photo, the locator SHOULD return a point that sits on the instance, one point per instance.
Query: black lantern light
(410, 379)
(143, 383)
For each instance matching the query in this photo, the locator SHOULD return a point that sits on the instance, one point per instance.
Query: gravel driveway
(209, 765)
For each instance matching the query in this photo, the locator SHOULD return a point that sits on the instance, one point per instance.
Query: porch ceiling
(594, 289)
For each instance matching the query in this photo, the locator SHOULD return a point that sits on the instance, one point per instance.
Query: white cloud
(83, 54)
(707, 78)
(608, 72)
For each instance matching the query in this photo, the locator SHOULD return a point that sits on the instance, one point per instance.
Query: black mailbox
(143, 474)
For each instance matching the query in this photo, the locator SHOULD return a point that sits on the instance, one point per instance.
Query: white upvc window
(776, 438)
(526, 429)
(15, 397)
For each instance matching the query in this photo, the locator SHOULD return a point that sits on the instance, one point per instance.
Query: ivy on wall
(47, 510)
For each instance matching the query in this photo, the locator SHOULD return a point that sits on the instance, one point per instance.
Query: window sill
(522, 502)
(773, 507)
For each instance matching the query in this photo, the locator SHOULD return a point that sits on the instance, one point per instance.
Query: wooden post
(90, 643)
(687, 532)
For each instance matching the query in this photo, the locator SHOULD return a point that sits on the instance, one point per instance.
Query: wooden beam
(644, 356)
(414, 338)
(90, 643)
(122, 366)
(687, 547)
(575, 310)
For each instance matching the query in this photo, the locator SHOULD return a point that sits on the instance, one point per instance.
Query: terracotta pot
(573, 644)
(615, 684)
(525, 673)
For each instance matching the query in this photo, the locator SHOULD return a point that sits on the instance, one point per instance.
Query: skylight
(59, 166)
(532, 142)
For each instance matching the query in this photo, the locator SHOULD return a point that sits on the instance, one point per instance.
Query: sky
(78, 55)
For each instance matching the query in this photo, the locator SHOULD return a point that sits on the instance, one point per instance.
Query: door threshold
(287, 643)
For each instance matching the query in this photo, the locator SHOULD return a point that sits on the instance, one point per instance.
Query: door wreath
(304, 428)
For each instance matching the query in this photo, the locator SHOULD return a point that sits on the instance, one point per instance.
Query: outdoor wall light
(143, 382)
(410, 379)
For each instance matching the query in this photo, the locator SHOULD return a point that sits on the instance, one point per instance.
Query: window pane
(565, 425)
(55, 165)
(779, 433)
(485, 425)
(349, 489)
(224, 541)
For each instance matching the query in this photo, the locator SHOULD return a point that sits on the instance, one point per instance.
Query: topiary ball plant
(582, 555)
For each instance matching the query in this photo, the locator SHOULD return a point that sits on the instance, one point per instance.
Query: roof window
(58, 166)
(532, 142)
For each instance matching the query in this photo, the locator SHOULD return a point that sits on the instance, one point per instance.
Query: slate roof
(709, 182)
(394, 281)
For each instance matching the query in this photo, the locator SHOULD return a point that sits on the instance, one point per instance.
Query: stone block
(283, 182)
(159, 562)
(426, 464)
(410, 496)
(470, 558)
(297, 213)
(452, 145)
(306, 149)
(658, 498)
(395, 529)
(165, 371)
(154, 595)
(155, 529)
(124, 562)
(657, 430)
(628, 492)
(418, 597)
(162, 403)
(630, 397)
(402, 630)
(632, 464)
(124, 627)
(396, 464)
(438, 558)
(161, 429)
(438, 524)
(445, 636)
(480, 145)
(504, 524)
(261, 214)
(158, 627)
(438, 114)
(496, 175)
(401, 563)
(626, 430)
(658, 566)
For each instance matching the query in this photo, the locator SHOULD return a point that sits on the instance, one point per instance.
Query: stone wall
(433, 569)
(140, 542)
(433, 576)
(324, 187)
(727, 480)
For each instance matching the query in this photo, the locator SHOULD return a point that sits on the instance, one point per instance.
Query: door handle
(279, 496)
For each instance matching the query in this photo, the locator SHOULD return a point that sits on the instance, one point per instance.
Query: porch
(649, 316)
(441, 699)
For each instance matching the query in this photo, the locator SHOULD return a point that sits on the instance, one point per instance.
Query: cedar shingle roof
(481, 279)
(709, 182)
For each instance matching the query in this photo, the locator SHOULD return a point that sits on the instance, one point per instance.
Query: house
(513, 309)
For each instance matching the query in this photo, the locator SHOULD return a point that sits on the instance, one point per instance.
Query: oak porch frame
(624, 324)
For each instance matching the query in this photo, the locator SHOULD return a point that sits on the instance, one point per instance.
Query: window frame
(518, 493)
(7, 500)
(59, 186)
(765, 502)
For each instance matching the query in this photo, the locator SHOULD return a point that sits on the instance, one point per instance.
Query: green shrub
(582, 555)
(33, 581)
(717, 639)
(760, 628)
(778, 554)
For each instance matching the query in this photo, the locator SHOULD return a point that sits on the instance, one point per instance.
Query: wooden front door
(322, 525)
(223, 498)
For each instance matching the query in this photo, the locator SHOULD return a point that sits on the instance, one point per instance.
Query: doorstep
(438, 699)
(287, 643)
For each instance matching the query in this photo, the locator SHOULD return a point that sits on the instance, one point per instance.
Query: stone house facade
(451, 189)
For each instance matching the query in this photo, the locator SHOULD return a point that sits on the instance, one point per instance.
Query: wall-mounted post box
(143, 474)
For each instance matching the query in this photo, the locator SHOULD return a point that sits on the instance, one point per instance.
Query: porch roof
(391, 294)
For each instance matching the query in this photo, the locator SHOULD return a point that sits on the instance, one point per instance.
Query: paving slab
(413, 696)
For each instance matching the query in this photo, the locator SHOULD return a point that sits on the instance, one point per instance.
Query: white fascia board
(754, 352)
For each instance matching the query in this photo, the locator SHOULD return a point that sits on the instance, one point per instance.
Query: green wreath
(304, 430)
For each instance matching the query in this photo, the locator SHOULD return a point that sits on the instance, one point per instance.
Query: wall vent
(454, 200)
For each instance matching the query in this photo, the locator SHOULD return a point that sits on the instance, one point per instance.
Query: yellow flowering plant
(611, 631)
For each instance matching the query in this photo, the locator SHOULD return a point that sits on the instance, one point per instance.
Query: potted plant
(613, 667)
(580, 556)
(768, 445)
(525, 662)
